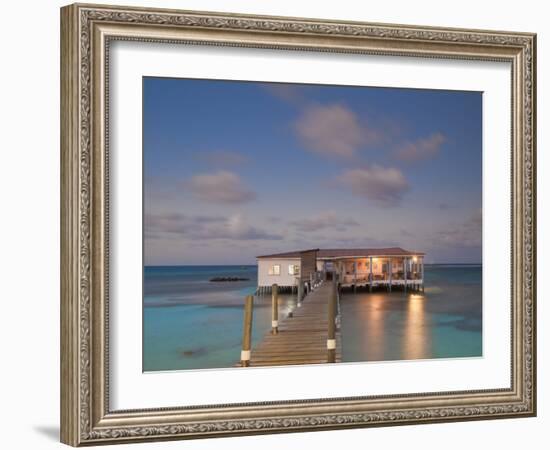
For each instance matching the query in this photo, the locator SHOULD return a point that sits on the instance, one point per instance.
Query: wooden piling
(370, 274)
(390, 264)
(274, 309)
(247, 331)
(299, 293)
(354, 277)
(422, 273)
(405, 274)
(331, 334)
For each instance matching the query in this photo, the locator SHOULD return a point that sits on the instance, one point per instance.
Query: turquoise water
(191, 323)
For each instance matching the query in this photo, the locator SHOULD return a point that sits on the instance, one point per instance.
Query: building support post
(370, 274)
(405, 273)
(247, 330)
(274, 309)
(422, 271)
(390, 266)
(354, 277)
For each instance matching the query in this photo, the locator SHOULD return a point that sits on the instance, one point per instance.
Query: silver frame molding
(86, 32)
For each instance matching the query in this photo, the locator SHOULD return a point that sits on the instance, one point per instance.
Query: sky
(236, 169)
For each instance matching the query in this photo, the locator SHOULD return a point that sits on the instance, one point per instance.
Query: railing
(383, 277)
(331, 332)
(333, 311)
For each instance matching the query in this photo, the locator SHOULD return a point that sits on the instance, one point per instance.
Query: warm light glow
(414, 258)
(373, 333)
(417, 342)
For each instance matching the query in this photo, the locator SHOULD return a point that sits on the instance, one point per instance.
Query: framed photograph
(276, 224)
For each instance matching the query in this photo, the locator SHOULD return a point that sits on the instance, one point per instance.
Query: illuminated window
(275, 270)
(293, 269)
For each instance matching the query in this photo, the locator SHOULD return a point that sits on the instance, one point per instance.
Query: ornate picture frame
(86, 34)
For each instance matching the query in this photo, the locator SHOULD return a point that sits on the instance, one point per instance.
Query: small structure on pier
(355, 267)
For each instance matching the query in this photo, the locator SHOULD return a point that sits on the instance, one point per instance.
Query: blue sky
(237, 169)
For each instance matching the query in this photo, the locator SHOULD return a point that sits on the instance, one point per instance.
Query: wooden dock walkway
(302, 338)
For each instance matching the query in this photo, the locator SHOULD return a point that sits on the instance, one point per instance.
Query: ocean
(192, 323)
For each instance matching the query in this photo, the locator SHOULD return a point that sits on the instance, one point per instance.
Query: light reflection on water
(443, 322)
(417, 339)
(372, 317)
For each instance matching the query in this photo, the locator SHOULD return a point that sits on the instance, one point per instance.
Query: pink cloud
(384, 186)
(333, 130)
(420, 149)
(289, 93)
(223, 158)
(324, 221)
(464, 234)
(204, 228)
(220, 187)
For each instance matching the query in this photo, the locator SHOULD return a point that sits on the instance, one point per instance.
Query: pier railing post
(300, 293)
(247, 330)
(274, 309)
(331, 335)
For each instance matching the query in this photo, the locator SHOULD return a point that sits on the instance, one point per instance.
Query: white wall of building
(283, 279)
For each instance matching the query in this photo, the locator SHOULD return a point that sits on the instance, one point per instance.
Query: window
(275, 270)
(293, 269)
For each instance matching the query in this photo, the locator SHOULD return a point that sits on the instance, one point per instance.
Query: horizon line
(255, 264)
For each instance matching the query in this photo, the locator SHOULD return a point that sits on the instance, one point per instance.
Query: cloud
(220, 187)
(223, 158)
(240, 230)
(289, 93)
(341, 241)
(420, 149)
(333, 130)
(204, 228)
(464, 234)
(384, 186)
(328, 220)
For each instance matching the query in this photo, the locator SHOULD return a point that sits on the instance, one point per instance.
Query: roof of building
(347, 252)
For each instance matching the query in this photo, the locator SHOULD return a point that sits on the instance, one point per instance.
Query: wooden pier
(304, 336)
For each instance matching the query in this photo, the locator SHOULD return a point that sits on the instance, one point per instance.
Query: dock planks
(302, 339)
